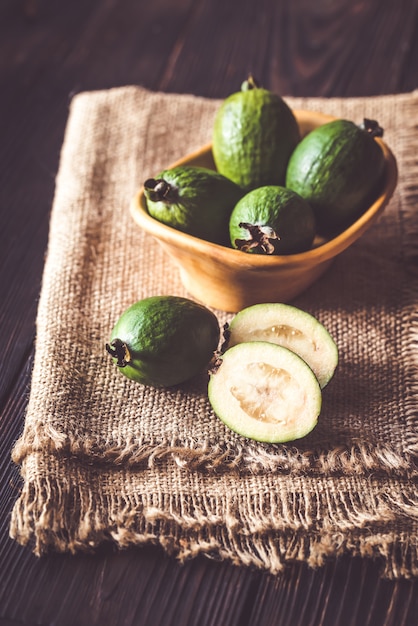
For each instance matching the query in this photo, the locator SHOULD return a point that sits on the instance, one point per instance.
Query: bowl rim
(320, 252)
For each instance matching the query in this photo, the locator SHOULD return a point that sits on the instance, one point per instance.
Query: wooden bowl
(229, 279)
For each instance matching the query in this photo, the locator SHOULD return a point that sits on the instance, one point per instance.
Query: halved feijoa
(291, 327)
(265, 392)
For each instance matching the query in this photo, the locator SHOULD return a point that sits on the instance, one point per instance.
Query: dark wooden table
(50, 50)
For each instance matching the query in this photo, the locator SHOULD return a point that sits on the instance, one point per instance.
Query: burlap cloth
(103, 458)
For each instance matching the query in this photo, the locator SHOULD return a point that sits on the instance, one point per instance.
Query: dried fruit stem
(260, 237)
(372, 127)
(119, 350)
(158, 190)
(249, 84)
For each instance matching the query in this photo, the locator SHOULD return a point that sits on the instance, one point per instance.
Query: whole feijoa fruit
(290, 327)
(164, 340)
(272, 220)
(254, 134)
(195, 200)
(265, 392)
(338, 168)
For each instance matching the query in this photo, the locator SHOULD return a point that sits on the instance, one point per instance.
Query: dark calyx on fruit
(260, 239)
(159, 190)
(119, 350)
(372, 127)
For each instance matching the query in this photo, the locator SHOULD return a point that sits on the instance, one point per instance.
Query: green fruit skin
(289, 215)
(170, 339)
(202, 203)
(253, 137)
(255, 322)
(338, 169)
(277, 435)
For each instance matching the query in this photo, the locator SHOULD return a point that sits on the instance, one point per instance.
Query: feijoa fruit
(272, 220)
(164, 340)
(338, 168)
(254, 134)
(195, 200)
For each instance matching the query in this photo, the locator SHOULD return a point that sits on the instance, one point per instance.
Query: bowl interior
(205, 266)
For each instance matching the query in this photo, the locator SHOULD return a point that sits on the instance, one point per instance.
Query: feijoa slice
(265, 392)
(291, 327)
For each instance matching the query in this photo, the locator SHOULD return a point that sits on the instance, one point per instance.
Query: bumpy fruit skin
(169, 340)
(198, 201)
(277, 211)
(338, 169)
(253, 137)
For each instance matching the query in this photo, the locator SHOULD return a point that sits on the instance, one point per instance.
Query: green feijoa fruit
(195, 200)
(265, 392)
(272, 220)
(254, 134)
(290, 327)
(164, 340)
(338, 168)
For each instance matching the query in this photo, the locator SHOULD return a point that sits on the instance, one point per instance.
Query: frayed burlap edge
(250, 457)
(367, 518)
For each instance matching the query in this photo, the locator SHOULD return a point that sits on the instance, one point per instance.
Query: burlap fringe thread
(266, 531)
(250, 457)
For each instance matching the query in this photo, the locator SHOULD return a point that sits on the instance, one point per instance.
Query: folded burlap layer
(261, 520)
(157, 465)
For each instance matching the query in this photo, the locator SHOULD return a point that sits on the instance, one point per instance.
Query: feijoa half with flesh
(272, 220)
(164, 340)
(196, 200)
(290, 327)
(265, 392)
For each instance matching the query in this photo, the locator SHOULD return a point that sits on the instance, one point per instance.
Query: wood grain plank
(36, 103)
(347, 592)
(338, 48)
(298, 48)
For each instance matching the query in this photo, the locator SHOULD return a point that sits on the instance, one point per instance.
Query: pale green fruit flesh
(265, 392)
(292, 328)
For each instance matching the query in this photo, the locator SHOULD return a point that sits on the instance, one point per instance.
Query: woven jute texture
(106, 459)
